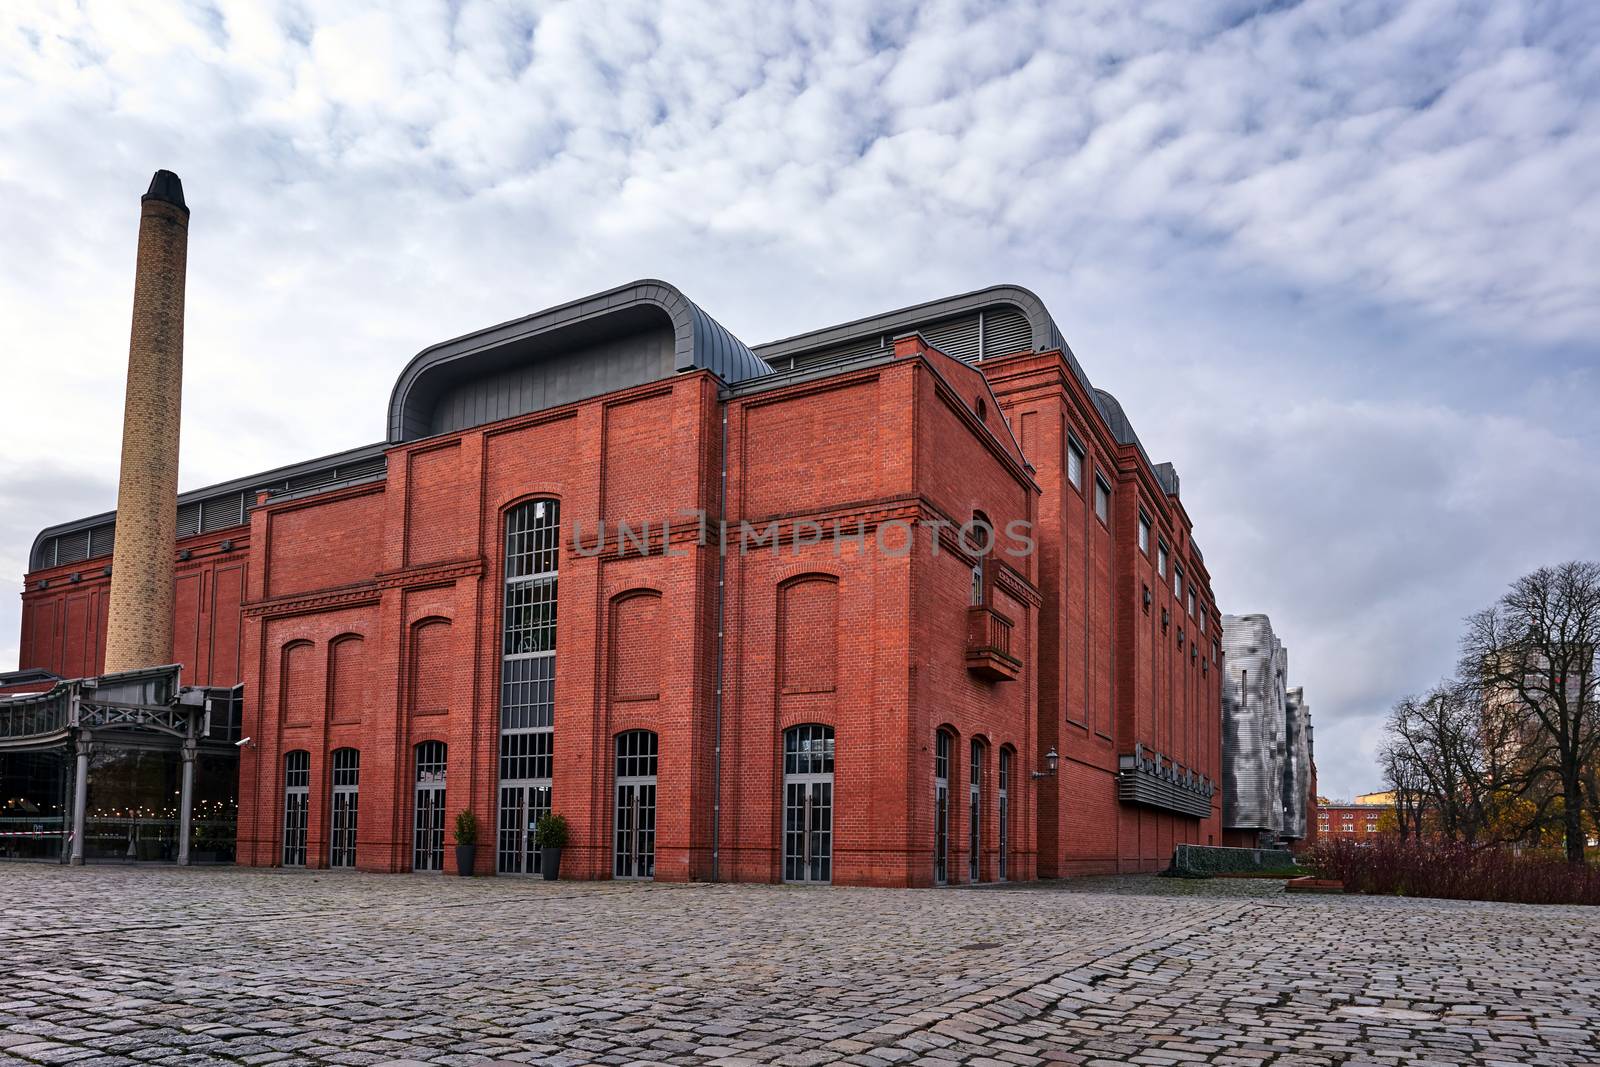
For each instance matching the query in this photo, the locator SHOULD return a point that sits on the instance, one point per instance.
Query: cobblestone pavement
(105, 965)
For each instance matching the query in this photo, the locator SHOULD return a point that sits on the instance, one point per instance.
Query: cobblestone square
(117, 966)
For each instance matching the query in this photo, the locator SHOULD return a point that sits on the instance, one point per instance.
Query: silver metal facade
(1297, 764)
(1253, 723)
(1266, 733)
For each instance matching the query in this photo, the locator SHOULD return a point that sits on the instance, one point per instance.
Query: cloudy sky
(1338, 260)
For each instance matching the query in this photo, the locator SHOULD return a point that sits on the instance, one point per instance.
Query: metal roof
(279, 479)
(698, 342)
(1046, 336)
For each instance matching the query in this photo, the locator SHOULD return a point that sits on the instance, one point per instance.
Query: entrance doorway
(808, 804)
(296, 801)
(635, 851)
(525, 767)
(427, 848)
(346, 793)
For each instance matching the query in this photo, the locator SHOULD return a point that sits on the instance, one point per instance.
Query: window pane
(1074, 464)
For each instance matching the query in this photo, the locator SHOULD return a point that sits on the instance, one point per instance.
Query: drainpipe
(722, 565)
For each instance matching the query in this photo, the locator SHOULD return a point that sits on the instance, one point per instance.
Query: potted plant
(466, 842)
(550, 834)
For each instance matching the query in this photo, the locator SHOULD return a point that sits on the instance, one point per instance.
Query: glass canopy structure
(128, 767)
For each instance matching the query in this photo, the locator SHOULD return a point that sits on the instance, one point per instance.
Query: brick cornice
(367, 592)
(304, 603)
(431, 574)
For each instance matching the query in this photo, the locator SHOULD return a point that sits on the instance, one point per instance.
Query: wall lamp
(1051, 759)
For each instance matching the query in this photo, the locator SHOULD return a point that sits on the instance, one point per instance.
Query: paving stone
(284, 969)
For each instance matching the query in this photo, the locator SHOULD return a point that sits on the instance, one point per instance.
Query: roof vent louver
(961, 338)
(1005, 333)
(221, 512)
(365, 469)
(73, 547)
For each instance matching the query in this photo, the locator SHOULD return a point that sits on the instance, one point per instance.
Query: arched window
(346, 789)
(975, 812)
(635, 852)
(1003, 806)
(296, 803)
(527, 681)
(943, 743)
(808, 803)
(427, 845)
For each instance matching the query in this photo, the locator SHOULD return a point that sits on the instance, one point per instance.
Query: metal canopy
(81, 713)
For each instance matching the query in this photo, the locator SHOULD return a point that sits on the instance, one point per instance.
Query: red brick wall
(372, 620)
(1111, 674)
(64, 624)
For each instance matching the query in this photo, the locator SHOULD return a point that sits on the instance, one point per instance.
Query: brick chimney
(139, 627)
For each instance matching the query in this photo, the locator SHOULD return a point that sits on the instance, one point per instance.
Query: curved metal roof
(1046, 335)
(699, 342)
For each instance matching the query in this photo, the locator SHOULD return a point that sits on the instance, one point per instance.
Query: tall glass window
(808, 803)
(975, 813)
(635, 817)
(346, 786)
(427, 847)
(1003, 802)
(296, 802)
(527, 681)
(941, 808)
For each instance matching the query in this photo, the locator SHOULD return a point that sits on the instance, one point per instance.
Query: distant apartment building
(1267, 750)
(1360, 819)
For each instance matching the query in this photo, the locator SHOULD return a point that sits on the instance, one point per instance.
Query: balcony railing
(989, 654)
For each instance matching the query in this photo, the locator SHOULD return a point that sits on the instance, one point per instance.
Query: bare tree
(1531, 659)
(1407, 782)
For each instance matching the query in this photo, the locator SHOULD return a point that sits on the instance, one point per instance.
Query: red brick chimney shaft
(139, 627)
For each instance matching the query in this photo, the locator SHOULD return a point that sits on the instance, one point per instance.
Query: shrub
(551, 831)
(466, 828)
(1456, 872)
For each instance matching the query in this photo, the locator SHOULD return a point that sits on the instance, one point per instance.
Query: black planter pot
(550, 863)
(465, 855)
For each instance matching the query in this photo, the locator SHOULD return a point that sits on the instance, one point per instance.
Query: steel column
(186, 801)
(80, 798)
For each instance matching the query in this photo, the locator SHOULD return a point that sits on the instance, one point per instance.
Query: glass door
(427, 852)
(808, 804)
(635, 822)
(346, 784)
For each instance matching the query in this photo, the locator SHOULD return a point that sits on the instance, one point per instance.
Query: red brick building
(519, 602)
(1369, 817)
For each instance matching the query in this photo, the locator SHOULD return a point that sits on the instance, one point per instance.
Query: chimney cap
(167, 187)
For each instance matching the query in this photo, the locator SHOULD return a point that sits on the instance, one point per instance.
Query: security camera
(243, 741)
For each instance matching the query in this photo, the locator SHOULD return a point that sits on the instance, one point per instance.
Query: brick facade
(369, 616)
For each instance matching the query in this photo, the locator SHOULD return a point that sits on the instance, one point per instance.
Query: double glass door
(521, 807)
(808, 803)
(808, 830)
(296, 804)
(427, 853)
(634, 853)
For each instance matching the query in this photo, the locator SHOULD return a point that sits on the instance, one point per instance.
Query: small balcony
(989, 654)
